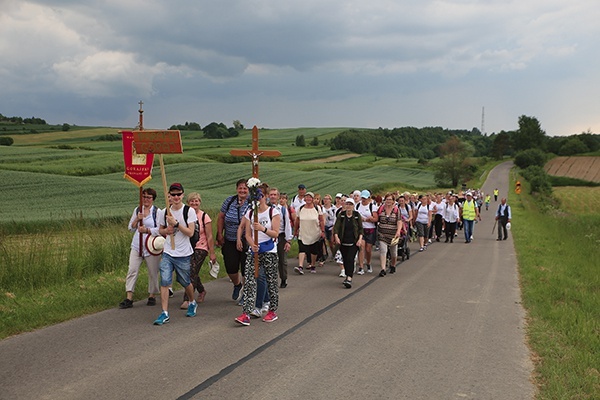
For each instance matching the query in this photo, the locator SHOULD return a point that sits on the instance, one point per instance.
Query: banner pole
(166, 191)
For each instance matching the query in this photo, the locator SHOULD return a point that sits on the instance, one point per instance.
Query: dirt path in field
(447, 325)
(341, 157)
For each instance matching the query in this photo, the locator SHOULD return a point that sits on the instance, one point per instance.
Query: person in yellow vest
(469, 213)
(496, 193)
(487, 202)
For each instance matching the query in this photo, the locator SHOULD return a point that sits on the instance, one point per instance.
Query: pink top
(202, 242)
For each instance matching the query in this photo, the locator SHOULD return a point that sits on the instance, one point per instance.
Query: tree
(315, 141)
(66, 127)
(529, 135)
(527, 158)
(237, 125)
(300, 141)
(573, 146)
(500, 146)
(454, 165)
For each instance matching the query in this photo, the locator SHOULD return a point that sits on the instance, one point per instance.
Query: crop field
(578, 200)
(584, 168)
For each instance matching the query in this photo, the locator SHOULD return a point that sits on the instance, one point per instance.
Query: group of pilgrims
(344, 229)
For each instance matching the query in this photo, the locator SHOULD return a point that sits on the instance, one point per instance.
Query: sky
(458, 64)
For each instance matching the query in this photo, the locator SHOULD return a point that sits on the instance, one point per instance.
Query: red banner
(138, 167)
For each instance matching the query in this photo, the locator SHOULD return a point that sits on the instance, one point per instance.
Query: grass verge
(558, 261)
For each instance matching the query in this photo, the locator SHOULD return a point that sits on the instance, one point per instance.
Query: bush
(6, 141)
(530, 157)
(538, 179)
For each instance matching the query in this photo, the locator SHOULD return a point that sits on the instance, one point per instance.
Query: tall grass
(558, 260)
(76, 268)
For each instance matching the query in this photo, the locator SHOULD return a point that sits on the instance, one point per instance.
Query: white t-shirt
(183, 247)
(265, 220)
(310, 229)
(422, 213)
(329, 216)
(365, 212)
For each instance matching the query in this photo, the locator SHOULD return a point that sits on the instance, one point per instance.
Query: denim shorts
(370, 235)
(181, 266)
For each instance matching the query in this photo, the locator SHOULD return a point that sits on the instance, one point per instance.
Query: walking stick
(494, 228)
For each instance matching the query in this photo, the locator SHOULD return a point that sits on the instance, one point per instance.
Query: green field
(73, 174)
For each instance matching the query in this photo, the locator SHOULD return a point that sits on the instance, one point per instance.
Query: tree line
(21, 120)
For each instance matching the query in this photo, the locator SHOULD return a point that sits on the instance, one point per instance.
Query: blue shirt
(234, 212)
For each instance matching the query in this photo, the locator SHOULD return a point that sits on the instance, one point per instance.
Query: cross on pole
(255, 154)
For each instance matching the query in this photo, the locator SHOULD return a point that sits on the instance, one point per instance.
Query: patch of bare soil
(341, 157)
(585, 168)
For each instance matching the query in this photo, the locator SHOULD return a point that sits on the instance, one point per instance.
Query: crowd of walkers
(254, 241)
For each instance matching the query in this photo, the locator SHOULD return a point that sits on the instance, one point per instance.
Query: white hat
(508, 226)
(155, 244)
(356, 193)
(339, 195)
(350, 200)
(214, 268)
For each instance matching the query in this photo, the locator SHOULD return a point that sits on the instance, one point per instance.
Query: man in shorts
(177, 253)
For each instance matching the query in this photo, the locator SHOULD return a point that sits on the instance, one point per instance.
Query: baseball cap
(469, 194)
(339, 195)
(350, 200)
(311, 194)
(301, 186)
(176, 186)
(365, 194)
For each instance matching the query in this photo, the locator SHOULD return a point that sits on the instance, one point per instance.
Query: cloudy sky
(289, 63)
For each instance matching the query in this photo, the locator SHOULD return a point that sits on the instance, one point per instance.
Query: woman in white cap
(348, 234)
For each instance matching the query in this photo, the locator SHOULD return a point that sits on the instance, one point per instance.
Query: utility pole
(483, 120)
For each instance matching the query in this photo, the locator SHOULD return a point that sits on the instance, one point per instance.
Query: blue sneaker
(236, 292)
(191, 312)
(163, 318)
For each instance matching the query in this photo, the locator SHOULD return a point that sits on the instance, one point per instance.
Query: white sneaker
(342, 274)
(256, 313)
(264, 310)
(360, 271)
(369, 269)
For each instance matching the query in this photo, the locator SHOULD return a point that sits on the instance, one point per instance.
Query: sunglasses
(176, 194)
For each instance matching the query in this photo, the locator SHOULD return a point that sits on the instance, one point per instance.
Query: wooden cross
(255, 154)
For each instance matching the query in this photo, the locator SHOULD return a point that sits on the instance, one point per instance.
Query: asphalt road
(448, 325)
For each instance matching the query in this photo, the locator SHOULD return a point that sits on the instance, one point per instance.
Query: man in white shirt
(177, 253)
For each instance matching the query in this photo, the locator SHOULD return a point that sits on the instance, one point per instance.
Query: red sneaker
(244, 319)
(270, 317)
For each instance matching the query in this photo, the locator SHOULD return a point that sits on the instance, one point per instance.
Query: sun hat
(508, 226)
(155, 244)
(365, 194)
(350, 200)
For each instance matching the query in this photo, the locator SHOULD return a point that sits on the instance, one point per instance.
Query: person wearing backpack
(267, 230)
(348, 234)
(422, 217)
(142, 222)
(203, 244)
(451, 218)
(178, 228)
(233, 245)
(368, 213)
(309, 228)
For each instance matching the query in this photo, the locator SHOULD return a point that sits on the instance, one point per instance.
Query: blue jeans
(181, 266)
(262, 294)
(468, 228)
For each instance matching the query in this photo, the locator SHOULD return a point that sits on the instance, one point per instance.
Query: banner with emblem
(138, 167)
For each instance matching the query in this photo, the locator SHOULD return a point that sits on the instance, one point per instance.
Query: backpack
(196, 236)
(154, 210)
(370, 207)
(270, 214)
